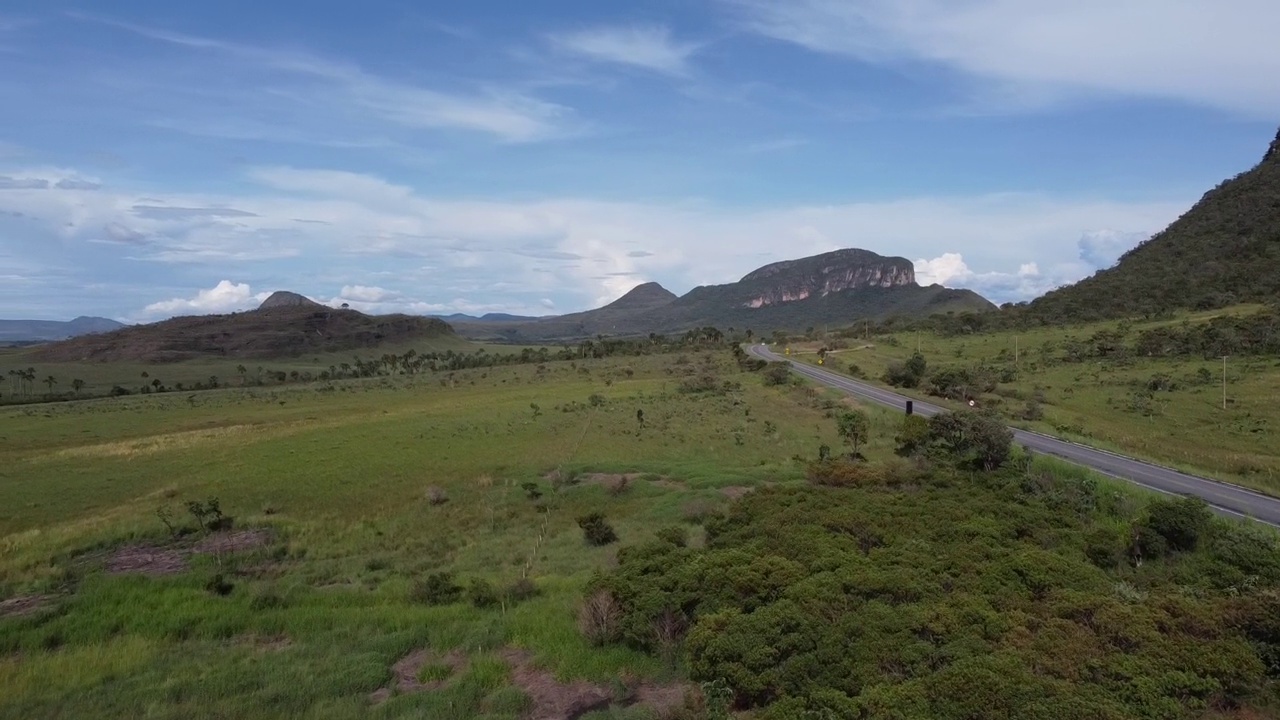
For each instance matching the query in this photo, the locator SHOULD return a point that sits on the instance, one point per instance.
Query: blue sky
(161, 158)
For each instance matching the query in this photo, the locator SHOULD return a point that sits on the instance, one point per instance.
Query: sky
(161, 158)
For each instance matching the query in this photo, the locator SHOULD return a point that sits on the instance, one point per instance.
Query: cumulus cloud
(224, 297)
(650, 47)
(1216, 54)
(1101, 248)
(951, 270)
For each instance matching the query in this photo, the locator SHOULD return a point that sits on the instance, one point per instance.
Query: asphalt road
(1226, 498)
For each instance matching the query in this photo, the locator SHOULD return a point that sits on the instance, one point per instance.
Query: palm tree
(77, 385)
(50, 381)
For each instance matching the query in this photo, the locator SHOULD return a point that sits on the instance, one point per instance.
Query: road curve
(1226, 498)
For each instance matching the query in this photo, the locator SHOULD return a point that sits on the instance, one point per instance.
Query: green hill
(283, 327)
(1224, 250)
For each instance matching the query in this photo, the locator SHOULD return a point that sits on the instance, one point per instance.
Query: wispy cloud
(649, 47)
(1215, 54)
(505, 113)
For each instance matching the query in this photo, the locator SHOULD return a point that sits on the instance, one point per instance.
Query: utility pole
(1224, 382)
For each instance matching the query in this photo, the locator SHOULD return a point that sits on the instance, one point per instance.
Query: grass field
(100, 377)
(1102, 403)
(341, 475)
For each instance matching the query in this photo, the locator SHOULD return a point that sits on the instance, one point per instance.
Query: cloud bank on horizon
(454, 162)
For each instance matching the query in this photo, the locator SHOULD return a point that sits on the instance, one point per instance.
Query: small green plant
(436, 589)
(266, 600)
(597, 530)
(531, 489)
(218, 585)
(480, 593)
(208, 515)
(536, 408)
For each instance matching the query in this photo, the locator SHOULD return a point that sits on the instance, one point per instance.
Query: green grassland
(1106, 402)
(341, 473)
(1037, 590)
(100, 377)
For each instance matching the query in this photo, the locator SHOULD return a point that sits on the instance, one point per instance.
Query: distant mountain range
(285, 325)
(23, 331)
(835, 289)
(1224, 250)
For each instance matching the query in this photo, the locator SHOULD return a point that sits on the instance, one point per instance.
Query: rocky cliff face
(823, 275)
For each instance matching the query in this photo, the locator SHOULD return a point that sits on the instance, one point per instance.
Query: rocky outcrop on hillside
(823, 275)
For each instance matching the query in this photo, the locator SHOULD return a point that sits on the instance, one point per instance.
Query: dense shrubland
(930, 588)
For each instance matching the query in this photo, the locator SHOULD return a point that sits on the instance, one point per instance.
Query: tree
(854, 428)
(77, 385)
(50, 381)
(976, 439)
(913, 436)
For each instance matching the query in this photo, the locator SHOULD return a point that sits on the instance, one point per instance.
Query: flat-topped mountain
(49, 330)
(836, 288)
(286, 325)
(1224, 250)
(286, 299)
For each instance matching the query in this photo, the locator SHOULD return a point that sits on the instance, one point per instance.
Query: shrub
(600, 618)
(531, 490)
(907, 374)
(480, 593)
(1102, 547)
(777, 373)
(1032, 411)
(218, 585)
(677, 536)
(436, 495)
(912, 436)
(1181, 522)
(597, 530)
(856, 371)
(521, 590)
(436, 589)
(1146, 544)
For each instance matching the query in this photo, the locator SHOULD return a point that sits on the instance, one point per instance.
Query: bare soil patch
(158, 560)
(662, 699)
(734, 492)
(406, 670)
(551, 699)
(233, 541)
(24, 605)
(147, 560)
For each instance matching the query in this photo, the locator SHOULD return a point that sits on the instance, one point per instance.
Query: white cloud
(1216, 54)
(225, 297)
(950, 270)
(363, 294)
(649, 47)
(507, 256)
(1101, 248)
(504, 113)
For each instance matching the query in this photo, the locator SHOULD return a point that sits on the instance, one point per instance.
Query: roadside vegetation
(1152, 389)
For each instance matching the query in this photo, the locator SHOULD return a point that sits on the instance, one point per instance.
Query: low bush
(436, 589)
(597, 530)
